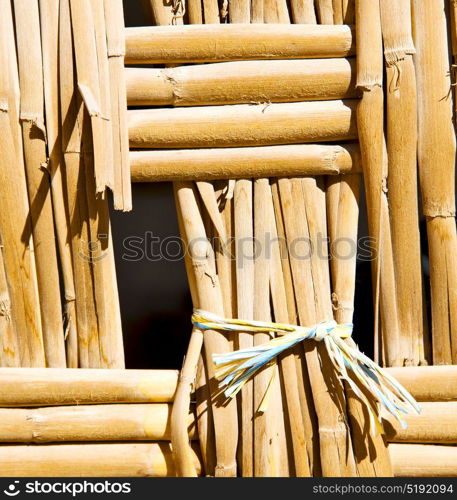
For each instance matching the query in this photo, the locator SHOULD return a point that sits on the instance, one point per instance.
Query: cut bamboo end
(89, 460)
(423, 460)
(115, 422)
(239, 163)
(428, 383)
(233, 42)
(55, 386)
(243, 125)
(242, 82)
(437, 423)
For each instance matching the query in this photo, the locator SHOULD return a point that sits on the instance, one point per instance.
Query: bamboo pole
(16, 235)
(210, 298)
(211, 12)
(162, 12)
(231, 42)
(71, 136)
(49, 18)
(118, 422)
(303, 11)
(234, 163)
(370, 127)
(275, 12)
(243, 125)
(423, 460)
(436, 156)
(428, 383)
(240, 82)
(56, 386)
(244, 261)
(240, 11)
(401, 148)
(437, 423)
(194, 10)
(89, 460)
(324, 10)
(114, 18)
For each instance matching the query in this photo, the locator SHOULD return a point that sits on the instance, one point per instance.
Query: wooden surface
(423, 460)
(225, 42)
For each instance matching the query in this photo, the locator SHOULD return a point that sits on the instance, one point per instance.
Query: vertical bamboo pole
(114, 17)
(210, 298)
(211, 12)
(303, 11)
(240, 11)
(276, 11)
(324, 10)
(370, 127)
(436, 155)
(401, 148)
(34, 136)
(162, 12)
(194, 9)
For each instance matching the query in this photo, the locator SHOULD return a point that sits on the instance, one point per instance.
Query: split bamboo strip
(88, 77)
(114, 17)
(71, 136)
(16, 234)
(210, 298)
(239, 11)
(244, 261)
(233, 42)
(243, 125)
(403, 200)
(234, 163)
(303, 11)
(34, 137)
(370, 128)
(117, 422)
(423, 460)
(56, 386)
(437, 423)
(89, 460)
(436, 155)
(241, 82)
(9, 350)
(49, 18)
(428, 383)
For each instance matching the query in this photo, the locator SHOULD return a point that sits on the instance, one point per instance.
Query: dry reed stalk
(241, 82)
(89, 460)
(436, 155)
(239, 11)
(244, 261)
(49, 18)
(210, 299)
(370, 127)
(118, 422)
(243, 125)
(428, 383)
(303, 11)
(114, 18)
(324, 10)
(238, 163)
(424, 428)
(71, 130)
(28, 38)
(423, 460)
(269, 444)
(232, 42)
(9, 349)
(68, 386)
(19, 264)
(83, 23)
(401, 148)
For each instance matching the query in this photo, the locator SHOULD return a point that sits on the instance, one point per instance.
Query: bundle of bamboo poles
(63, 112)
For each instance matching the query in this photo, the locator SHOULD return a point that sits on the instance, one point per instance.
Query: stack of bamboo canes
(63, 112)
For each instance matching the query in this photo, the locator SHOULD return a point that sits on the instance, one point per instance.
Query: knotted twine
(375, 387)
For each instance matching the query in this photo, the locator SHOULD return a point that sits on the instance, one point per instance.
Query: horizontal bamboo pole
(55, 386)
(437, 423)
(241, 82)
(117, 422)
(240, 163)
(428, 383)
(233, 42)
(243, 125)
(89, 460)
(423, 460)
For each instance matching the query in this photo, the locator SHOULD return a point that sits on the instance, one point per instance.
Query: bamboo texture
(423, 460)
